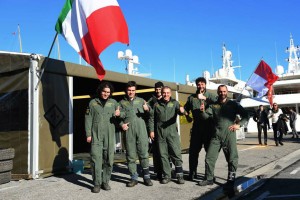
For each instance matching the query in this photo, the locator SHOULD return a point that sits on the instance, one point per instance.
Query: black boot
(228, 187)
(192, 175)
(96, 189)
(179, 174)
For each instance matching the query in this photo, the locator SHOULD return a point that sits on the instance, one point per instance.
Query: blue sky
(171, 38)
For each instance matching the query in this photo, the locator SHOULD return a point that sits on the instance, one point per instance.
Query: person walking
(136, 138)
(274, 114)
(100, 121)
(155, 151)
(202, 128)
(293, 119)
(261, 118)
(163, 123)
(227, 116)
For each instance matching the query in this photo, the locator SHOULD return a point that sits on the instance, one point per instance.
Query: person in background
(227, 116)
(136, 137)
(100, 121)
(274, 114)
(261, 118)
(202, 128)
(163, 123)
(282, 127)
(293, 119)
(155, 151)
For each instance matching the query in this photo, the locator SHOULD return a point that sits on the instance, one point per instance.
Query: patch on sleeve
(87, 111)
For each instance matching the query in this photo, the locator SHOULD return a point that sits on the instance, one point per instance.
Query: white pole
(20, 40)
(58, 48)
(33, 118)
(70, 120)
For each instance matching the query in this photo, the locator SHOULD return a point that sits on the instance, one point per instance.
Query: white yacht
(286, 89)
(225, 76)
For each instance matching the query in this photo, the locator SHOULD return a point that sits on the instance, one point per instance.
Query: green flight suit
(136, 137)
(155, 151)
(163, 123)
(100, 124)
(201, 132)
(223, 115)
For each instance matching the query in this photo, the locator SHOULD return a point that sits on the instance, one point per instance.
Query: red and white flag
(90, 26)
(262, 79)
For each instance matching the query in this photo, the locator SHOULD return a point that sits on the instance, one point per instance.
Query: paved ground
(252, 158)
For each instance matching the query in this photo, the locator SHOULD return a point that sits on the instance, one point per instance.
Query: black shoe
(132, 183)
(105, 186)
(276, 143)
(180, 180)
(266, 143)
(158, 176)
(228, 189)
(281, 143)
(206, 182)
(260, 143)
(192, 176)
(96, 189)
(148, 182)
(293, 137)
(165, 180)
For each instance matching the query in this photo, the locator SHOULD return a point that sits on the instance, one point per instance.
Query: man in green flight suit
(163, 122)
(227, 116)
(202, 128)
(155, 151)
(136, 138)
(100, 122)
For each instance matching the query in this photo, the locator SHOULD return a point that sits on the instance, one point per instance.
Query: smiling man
(227, 117)
(134, 126)
(163, 123)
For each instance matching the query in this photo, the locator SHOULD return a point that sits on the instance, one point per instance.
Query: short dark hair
(222, 86)
(200, 79)
(130, 84)
(158, 84)
(105, 84)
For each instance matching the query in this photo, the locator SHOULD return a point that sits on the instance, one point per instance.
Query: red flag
(91, 26)
(262, 79)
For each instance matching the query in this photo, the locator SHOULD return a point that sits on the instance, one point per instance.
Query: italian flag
(262, 79)
(90, 26)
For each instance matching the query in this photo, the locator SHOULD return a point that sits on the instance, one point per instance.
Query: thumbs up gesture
(201, 96)
(145, 106)
(117, 111)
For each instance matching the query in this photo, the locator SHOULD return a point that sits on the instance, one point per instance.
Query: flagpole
(45, 62)
(19, 35)
(248, 80)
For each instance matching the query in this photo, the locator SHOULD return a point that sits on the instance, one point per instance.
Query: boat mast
(20, 41)
(293, 60)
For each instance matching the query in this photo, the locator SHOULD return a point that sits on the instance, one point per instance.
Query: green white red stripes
(90, 26)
